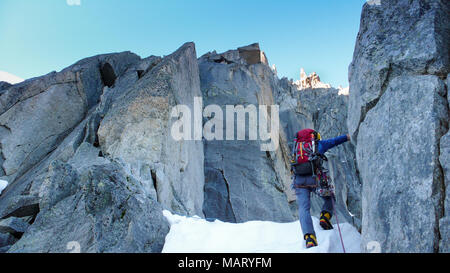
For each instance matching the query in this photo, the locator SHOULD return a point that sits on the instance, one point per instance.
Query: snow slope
(3, 185)
(197, 235)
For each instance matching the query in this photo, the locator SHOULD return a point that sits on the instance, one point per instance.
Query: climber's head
(317, 136)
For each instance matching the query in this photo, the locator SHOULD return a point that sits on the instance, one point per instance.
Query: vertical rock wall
(398, 115)
(242, 182)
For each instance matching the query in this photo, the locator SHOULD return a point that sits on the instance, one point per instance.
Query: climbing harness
(324, 186)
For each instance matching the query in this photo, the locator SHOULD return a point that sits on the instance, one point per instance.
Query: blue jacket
(324, 145)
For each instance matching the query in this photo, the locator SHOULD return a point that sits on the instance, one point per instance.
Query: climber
(310, 176)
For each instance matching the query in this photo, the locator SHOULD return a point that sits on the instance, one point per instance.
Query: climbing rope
(337, 221)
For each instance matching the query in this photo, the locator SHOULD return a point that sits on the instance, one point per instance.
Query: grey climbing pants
(303, 186)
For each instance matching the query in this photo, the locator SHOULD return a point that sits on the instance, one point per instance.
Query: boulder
(252, 54)
(137, 130)
(79, 150)
(36, 115)
(396, 38)
(14, 226)
(99, 208)
(34, 127)
(246, 55)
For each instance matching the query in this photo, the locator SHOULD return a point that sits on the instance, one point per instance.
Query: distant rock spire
(274, 69)
(311, 81)
(303, 75)
(343, 91)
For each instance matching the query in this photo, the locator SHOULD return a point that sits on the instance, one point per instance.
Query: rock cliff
(242, 182)
(398, 116)
(91, 160)
(88, 156)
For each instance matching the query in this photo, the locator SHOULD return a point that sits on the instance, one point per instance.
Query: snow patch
(9, 78)
(343, 91)
(197, 235)
(374, 2)
(3, 185)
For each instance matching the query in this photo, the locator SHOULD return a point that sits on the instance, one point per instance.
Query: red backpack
(304, 152)
(303, 146)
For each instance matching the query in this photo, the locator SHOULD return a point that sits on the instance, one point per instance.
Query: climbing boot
(325, 220)
(311, 240)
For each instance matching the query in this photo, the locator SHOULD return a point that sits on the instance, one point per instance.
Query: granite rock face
(91, 158)
(396, 38)
(398, 115)
(4, 85)
(246, 55)
(99, 172)
(444, 158)
(137, 129)
(99, 207)
(242, 182)
(36, 115)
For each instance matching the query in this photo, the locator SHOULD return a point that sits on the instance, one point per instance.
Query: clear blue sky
(40, 36)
